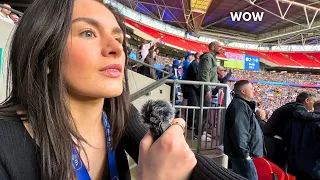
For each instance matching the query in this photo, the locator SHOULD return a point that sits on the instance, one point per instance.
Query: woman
(68, 114)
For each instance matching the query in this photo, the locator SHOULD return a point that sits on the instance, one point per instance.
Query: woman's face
(94, 59)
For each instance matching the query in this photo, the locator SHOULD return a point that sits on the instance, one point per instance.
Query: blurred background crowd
(7, 15)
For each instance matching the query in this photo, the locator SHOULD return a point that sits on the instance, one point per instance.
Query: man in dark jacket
(192, 73)
(304, 146)
(277, 130)
(242, 134)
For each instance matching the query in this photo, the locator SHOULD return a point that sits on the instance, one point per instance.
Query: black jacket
(304, 147)
(192, 71)
(279, 122)
(261, 122)
(242, 133)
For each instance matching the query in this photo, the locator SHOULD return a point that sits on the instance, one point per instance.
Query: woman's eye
(119, 39)
(87, 34)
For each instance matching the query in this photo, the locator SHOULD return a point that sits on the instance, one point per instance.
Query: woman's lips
(112, 70)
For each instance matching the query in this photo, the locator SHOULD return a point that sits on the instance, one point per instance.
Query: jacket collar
(252, 104)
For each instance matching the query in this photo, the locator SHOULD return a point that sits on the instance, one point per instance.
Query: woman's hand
(169, 157)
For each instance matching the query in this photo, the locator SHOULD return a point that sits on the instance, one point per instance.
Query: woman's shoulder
(14, 136)
(18, 152)
(11, 128)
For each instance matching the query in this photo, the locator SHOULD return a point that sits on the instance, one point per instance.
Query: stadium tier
(285, 59)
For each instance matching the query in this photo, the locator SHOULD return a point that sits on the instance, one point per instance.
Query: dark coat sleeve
(204, 71)
(240, 129)
(205, 168)
(3, 173)
(303, 114)
(226, 78)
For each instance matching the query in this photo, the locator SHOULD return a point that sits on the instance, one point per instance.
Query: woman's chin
(113, 93)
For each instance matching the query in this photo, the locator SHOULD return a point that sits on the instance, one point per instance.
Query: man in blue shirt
(188, 59)
(184, 87)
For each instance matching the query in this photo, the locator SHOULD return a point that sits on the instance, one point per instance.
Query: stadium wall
(5, 31)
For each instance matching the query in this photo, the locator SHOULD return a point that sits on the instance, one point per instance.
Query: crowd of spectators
(7, 15)
(277, 77)
(271, 97)
(163, 60)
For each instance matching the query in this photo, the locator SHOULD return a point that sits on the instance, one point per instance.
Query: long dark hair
(38, 43)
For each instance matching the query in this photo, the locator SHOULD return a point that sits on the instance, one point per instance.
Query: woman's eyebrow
(93, 22)
(117, 30)
(87, 20)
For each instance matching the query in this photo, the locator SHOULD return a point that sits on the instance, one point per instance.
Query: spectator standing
(145, 48)
(14, 17)
(242, 134)
(303, 150)
(186, 88)
(143, 52)
(207, 72)
(261, 117)
(151, 60)
(5, 14)
(192, 95)
(277, 129)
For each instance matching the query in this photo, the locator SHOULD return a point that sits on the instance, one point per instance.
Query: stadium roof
(284, 21)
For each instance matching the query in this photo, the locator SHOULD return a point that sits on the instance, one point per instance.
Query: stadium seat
(263, 167)
(278, 171)
(289, 177)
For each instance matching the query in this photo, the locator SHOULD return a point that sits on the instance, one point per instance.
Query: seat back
(278, 171)
(263, 167)
(289, 177)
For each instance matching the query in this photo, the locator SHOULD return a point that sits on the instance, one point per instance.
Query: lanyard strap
(80, 169)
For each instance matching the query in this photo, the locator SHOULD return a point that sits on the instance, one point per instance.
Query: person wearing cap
(188, 59)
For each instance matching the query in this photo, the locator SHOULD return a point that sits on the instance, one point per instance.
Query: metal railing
(12, 10)
(151, 86)
(214, 116)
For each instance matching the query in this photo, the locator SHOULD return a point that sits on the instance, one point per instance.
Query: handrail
(148, 65)
(197, 83)
(149, 88)
(12, 10)
(201, 107)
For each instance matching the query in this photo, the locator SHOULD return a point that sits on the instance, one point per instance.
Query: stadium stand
(279, 58)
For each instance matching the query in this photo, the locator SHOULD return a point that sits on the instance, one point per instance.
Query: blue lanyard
(80, 169)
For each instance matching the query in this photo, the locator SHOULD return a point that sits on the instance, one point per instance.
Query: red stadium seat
(289, 177)
(278, 171)
(263, 167)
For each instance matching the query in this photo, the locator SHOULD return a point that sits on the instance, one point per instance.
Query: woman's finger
(177, 123)
(146, 143)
